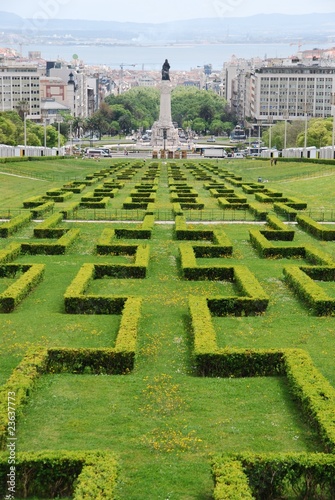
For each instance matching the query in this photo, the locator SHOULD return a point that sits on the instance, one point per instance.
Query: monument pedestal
(164, 135)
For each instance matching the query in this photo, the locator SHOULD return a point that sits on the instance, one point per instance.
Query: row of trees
(319, 133)
(198, 110)
(137, 109)
(12, 131)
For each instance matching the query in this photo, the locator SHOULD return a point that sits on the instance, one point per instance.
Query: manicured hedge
(93, 361)
(10, 253)
(21, 382)
(76, 302)
(137, 270)
(59, 197)
(70, 210)
(222, 246)
(14, 224)
(106, 246)
(298, 278)
(140, 233)
(266, 197)
(309, 388)
(42, 209)
(315, 394)
(98, 479)
(290, 208)
(59, 247)
(74, 187)
(47, 228)
(33, 201)
(278, 231)
(230, 481)
(228, 204)
(315, 229)
(95, 202)
(272, 476)
(204, 336)
(191, 271)
(182, 232)
(259, 213)
(266, 249)
(15, 293)
(79, 475)
(250, 298)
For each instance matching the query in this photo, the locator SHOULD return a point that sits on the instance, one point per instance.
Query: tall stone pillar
(164, 134)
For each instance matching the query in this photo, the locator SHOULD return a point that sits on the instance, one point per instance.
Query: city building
(20, 84)
(289, 92)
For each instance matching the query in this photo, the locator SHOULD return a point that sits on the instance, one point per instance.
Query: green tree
(319, 133)
(189, 103)
(293, 129)
(199, 125)
(216, 127)
(7, 130)
(49, 133)
(141, 103)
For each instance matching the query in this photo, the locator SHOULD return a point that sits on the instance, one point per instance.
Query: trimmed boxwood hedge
(15, 293)
(315, 229)
(266, 249)
(10, 253)
(230, 481)
(307, 385)
(38, 361)
(77, 302)
(47, 228)
(59, 247)
(139, 233)
(42, 209)
(79, 475)
(14, 224)
(273, 475)
(301, 280)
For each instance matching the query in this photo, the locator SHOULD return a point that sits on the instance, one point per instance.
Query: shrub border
(314, 393)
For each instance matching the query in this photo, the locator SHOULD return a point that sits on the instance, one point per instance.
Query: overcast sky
(160, 10)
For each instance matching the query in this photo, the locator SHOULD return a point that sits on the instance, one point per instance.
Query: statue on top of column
(165, 70)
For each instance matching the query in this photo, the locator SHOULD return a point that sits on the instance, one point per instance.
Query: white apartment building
(20, 84)
(289, 92)
(79, 89)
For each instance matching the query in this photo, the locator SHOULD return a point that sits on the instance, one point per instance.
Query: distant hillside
(262, 27)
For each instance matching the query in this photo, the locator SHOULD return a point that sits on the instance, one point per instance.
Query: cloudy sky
(160, 10)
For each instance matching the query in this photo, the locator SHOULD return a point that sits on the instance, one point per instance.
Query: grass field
(162, 421)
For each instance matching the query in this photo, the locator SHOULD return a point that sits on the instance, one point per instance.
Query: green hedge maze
(146, 342)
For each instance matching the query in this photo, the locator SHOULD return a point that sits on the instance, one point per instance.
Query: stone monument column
(165, 117)
(164, 134)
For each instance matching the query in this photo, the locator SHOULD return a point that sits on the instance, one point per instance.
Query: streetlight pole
(25, 131)
(59, 121)
(70, 122)
(25, 109)
(259, 137)
(164, 138)
(333, 135)
(286, 117)
(270, 119)
(44, 113)
(306, 129)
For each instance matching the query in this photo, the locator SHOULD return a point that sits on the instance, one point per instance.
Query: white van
(91, 153)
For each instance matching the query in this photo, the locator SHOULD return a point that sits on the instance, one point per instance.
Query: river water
(182, 57)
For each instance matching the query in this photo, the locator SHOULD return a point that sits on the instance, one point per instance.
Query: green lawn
(162, 421)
